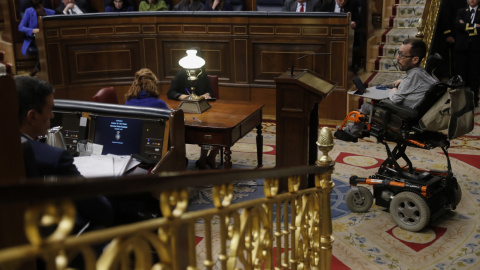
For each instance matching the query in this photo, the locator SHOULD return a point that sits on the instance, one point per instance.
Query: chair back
(270, 5)
(433, 94)
(213, 80)
(237, 5)
(106, 95)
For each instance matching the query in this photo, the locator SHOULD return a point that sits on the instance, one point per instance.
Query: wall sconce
(193, 66)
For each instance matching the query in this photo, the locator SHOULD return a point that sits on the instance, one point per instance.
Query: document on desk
(104, 165)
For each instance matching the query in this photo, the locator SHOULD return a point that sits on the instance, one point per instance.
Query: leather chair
(106, 95)
(213, 80)
(237, 5)
(270, 5)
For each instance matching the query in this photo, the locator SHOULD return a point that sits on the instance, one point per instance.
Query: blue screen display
(119, 136)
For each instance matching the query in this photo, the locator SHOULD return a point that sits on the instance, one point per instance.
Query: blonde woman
(144, 91)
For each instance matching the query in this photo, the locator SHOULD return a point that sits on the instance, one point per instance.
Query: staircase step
(400, 11)
(404, 22)
(411, 2)
(388, 50)
(397, 35)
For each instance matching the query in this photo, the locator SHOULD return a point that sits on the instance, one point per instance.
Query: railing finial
(325, 144)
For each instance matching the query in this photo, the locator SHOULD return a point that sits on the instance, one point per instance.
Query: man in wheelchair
(408, 91)
(414, 196)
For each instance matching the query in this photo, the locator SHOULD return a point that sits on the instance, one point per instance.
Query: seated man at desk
(408, 91)
(35, 99)
(179, 89)
(75, 7)
(35, 111)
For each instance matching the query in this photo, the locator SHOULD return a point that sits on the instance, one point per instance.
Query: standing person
(218, 5)
(467, 46)
(345, 6)
(189, 5)
(299, 5)
(118, 5)
(75, 7)
(152, 5)
(29, 26)
(144, 91)
(447, 27)
(341, 6)
(408, 91)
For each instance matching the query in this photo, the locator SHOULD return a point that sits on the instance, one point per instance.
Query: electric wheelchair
(414, 196)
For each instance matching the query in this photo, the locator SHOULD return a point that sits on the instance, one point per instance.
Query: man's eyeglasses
(401, 55)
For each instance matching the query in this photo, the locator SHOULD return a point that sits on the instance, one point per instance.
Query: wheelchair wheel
(410, 211)
(359, 203)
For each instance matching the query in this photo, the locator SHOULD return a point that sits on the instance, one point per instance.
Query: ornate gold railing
(426, 27)
(292, 230)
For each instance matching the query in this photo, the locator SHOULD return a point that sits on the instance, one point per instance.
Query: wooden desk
(223, 124)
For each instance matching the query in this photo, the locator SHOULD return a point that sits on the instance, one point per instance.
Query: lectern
(297, 102)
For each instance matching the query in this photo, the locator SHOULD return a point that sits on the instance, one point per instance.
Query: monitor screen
(119, 136)
(126, 136)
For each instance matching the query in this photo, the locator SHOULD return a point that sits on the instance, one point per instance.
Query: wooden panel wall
(247, 50)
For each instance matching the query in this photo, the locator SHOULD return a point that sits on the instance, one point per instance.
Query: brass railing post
(325, 184)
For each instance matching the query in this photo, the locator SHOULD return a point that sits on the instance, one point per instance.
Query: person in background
(299, 5)
(467, 46)
(118, 5)
(341, 6)
(29, 26)
(217, 5)
(36, 100)
(152, 5)
(75, 7)
(144, 91)
(189, 5)
(178, 91)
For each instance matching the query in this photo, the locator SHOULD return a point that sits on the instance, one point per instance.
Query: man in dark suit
(467, 46)
(35, 100)
(343, 6)
(74, 7)
(300, 5)
(35, 111)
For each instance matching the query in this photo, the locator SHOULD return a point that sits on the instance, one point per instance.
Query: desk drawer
(207, 137)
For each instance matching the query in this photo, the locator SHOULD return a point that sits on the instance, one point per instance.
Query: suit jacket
(351, 6)
(27, 24)
(463, 41)
(52, 160)
(83, 5)
(448, 15)
(291, 5)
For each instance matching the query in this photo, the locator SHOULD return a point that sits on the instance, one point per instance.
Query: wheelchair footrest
(345, 136)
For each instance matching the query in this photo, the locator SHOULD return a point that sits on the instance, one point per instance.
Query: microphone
(303, 56)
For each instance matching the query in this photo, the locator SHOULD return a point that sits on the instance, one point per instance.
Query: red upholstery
(213, 79)
(106, 95)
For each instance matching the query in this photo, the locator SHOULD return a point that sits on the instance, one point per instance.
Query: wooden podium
(298, 97)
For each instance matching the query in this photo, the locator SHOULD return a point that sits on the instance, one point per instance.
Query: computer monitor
(121, 135)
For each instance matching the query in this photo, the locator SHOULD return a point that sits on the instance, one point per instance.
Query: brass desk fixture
(193, 64)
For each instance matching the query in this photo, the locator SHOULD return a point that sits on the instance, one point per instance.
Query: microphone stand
(303, 56)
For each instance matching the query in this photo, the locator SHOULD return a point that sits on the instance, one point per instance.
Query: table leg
(259, 146)
(227, 164)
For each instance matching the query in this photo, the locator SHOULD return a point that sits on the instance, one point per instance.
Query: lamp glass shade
(191, 61)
